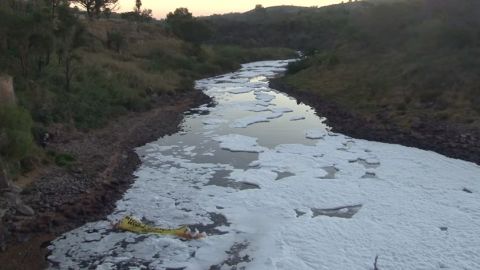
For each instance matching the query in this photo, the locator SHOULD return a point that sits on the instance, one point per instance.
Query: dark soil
(450, 139)
(86, 190)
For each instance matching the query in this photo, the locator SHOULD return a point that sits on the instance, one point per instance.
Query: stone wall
(7, 93)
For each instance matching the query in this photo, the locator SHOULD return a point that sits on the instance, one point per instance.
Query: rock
(7, 94)
(417, 123)
(25, 210)
(2, 213)
(12, 198)
(3, 178)
(14, 189)
(77, 170)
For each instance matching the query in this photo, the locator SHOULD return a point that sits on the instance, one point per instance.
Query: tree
(138, 6)
(183, 25)
(179, 14)
(102, 6)
(259, 9)
(70, 36)
(53, 6)
(26, 35)
(96, 7)
(88, 5)
(146, 15)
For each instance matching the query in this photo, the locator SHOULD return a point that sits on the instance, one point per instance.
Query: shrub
(16, 139)
(115, 41)
(64, 160)
(297, 66)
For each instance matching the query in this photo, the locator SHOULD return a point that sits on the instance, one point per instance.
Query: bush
(115, 41)
(64, 160)
(16, 138)
(297, 66)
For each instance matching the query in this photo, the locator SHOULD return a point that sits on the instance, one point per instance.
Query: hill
(81, 73)
(409, 66)
(78, 92)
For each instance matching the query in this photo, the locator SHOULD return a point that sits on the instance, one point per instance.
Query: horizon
(204, 8)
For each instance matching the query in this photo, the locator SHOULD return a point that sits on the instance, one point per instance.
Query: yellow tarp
(132, 225)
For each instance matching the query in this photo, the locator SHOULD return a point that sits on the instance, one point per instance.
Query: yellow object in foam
(132, 225)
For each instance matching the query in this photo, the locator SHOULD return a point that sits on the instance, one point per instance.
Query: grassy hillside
(78, 72)
(402, 59)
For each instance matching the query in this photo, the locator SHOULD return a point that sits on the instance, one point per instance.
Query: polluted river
(274, 188)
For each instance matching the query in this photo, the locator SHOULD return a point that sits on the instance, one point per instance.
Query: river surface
(274, 188)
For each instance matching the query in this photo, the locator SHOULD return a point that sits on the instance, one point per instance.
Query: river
(274, 188)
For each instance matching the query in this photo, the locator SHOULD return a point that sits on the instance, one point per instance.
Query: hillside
(408, 66)
(81, 73)
(77, 95)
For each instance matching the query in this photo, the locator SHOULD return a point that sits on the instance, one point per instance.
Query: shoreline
(446, 139)
(66, 198)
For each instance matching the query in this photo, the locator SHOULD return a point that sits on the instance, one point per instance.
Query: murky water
(275, 189)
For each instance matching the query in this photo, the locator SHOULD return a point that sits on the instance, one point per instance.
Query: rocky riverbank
(62, 198)
(442, 137)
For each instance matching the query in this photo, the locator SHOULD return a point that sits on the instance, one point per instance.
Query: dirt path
(65, 198)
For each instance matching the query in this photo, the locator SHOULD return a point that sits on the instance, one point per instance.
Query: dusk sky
(207, 7)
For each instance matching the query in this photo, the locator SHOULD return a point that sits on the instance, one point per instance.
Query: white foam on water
(214, 121)
(297, 118)
(240, 90)
(283, 210)
(318, 133)
(281, 110)
(250, 120)
(262, 96)
(239, 143)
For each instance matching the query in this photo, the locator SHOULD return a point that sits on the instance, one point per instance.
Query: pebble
(25, 210)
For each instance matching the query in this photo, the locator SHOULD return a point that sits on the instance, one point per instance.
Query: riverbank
(426, 133)
(67, 197)
(255, 195)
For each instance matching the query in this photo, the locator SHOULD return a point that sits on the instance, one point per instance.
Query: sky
(207, 7)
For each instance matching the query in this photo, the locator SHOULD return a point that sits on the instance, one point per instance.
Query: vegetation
(16, 136)
(63, 160)
(405, 59)
(84, 72)
(96, 7)
(183, 25)
(138, 14)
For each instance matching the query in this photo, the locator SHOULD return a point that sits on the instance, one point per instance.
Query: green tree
(182, 23)
(179, 14)
(96, 7)
(26, 36)
(70, 36)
